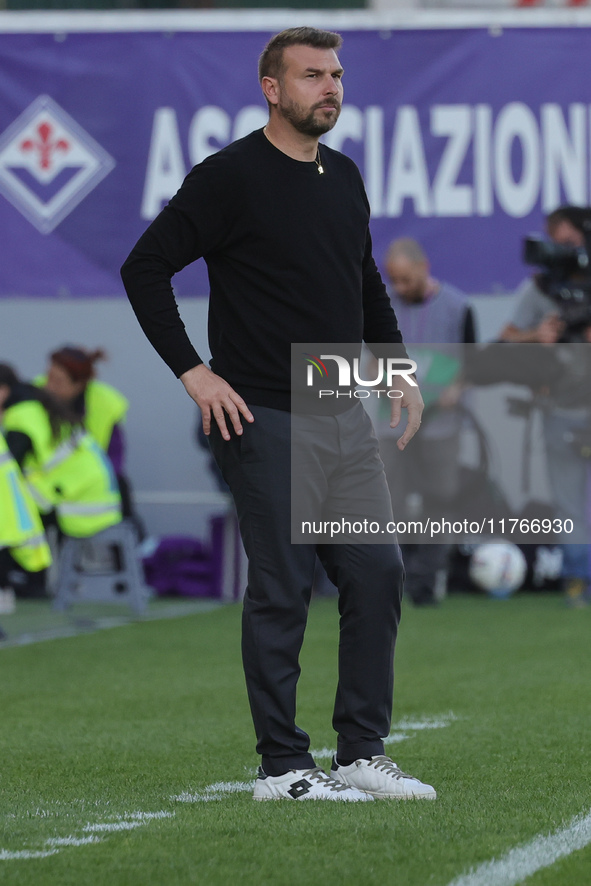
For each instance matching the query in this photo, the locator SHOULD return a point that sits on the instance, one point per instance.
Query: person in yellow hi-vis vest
(71, 378)
(22, 538)
(101, 408)
(65, 468)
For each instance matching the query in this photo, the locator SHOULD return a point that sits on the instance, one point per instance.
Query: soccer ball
(498, 568)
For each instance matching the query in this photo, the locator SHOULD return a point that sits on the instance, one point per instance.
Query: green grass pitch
(102, 731)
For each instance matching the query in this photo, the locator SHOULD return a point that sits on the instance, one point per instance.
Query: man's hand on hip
(216, 398)
(412, 401)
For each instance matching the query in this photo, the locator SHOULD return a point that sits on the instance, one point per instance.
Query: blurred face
(566, 234)
(309, 92)
(408, 278)
(4, 395)
(61, 385)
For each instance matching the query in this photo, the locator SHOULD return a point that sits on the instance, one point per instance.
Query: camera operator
(536, 317)
(555, 306)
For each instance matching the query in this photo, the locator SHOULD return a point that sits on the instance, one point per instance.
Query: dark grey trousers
(257, 468)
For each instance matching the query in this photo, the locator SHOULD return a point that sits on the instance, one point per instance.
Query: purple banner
(465, 138)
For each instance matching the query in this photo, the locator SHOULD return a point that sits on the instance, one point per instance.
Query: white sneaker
(382, 778)
(305, 784)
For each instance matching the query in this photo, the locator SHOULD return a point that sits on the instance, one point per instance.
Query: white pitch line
(417, 725)
(229, 787)
(395, 737)
(149, 816)
(103, 623)
(523, 861)
(123, 823)
(218, 790)
(214, 791)
(323, 753)
(106, 826)
(187, 797)
(400, 731)
(71, 841)
(6, 855)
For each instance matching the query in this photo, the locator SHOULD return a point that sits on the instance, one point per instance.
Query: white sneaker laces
(319, 775)
(385, 764)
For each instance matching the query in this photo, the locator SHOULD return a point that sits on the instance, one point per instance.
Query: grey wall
(163, 460)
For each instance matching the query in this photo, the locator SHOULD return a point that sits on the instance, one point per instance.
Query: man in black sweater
(283, 226)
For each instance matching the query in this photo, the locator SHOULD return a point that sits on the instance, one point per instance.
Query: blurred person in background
(100, 407)
(71, 378)
(68, 474)
(23, 545)
(429, 312)
(536, 317)
(539, 318)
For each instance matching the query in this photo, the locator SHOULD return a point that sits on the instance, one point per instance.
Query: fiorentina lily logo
(48, 164)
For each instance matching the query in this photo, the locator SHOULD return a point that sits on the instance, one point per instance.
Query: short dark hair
(271, 59)
(59, 414)
(7, 376)
(577, 216)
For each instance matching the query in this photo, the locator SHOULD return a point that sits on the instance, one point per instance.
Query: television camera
(566, 280)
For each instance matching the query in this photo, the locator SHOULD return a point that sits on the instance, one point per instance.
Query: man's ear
(270, 87)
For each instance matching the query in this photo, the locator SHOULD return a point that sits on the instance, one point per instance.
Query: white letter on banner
(565, 158)
(350, 125)
(453, 121)
(166, 168)
(208, 122)
(248, 119)
(483, 196)
(517, 121)
(407, 176)
(374, 159)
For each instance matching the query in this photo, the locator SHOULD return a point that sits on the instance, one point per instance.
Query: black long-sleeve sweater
(288, 252)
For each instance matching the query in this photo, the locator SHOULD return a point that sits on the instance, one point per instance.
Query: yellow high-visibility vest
(21, 530)
(104, 407)
(72, 475)
(30, 417)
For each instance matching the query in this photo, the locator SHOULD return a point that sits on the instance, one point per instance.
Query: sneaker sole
(378, 796)
(401, 796)
(291, 800)
(308, 799)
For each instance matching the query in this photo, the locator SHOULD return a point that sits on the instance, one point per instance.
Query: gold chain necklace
(317, 159)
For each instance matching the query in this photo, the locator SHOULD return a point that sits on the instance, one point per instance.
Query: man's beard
(306, 122)
(414, 296)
